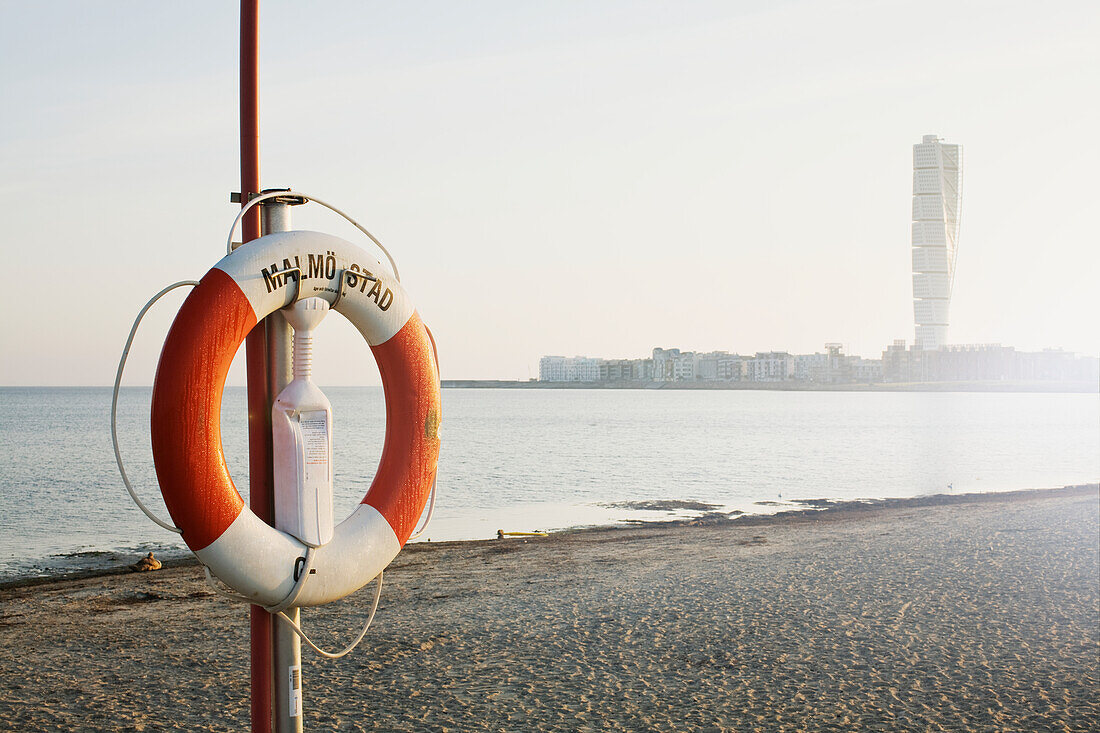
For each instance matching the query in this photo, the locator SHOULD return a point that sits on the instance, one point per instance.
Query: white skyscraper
(937, 201)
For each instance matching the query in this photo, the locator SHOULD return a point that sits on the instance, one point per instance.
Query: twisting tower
(937, 202)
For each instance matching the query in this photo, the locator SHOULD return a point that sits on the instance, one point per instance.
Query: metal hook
(341, 281)
(297, 283)
(345, 273)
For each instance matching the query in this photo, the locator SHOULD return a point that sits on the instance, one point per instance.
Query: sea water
(524, 460)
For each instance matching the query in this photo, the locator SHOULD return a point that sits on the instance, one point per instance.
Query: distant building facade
(674, 365)
(719, 365)
(899, 364)
(569, 369)
(811, 367)
(770, 366)
(984, 363)
(866, 371)
(937, 203)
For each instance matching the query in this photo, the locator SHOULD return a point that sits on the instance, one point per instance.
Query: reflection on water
(548, 459)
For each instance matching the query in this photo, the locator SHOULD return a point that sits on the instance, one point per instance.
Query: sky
(570, 178)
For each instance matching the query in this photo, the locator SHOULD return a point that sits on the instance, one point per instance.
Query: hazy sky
(565, 178)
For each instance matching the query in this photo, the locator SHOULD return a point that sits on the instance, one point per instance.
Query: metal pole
(261, 480)
(287, 648)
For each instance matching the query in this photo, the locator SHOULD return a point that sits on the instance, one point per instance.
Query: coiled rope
(280, 608)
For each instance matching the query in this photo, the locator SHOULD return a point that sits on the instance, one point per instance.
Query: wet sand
(979, 613)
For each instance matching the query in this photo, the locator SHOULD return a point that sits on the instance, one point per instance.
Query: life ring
(243, 551)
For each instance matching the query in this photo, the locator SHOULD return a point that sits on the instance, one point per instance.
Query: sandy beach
(978, 613)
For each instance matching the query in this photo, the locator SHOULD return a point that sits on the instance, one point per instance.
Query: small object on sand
(146, 563)
(500, 534)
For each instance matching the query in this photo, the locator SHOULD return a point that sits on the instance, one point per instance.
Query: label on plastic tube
(315, 438)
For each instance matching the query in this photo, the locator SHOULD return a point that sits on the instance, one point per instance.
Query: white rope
(224, 593)
(278, 609)
(114, 404)
(300, 583)
(431, 510)
(330, 207)
(275, 194)
(296, 628)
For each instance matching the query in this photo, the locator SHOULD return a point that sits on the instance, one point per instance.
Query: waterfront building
(569, 369)
(731, 368)
(810, 367)
(984, 363)
(706, 367)
(975, 363)
(865, 371)
(662, 363)
(770, 366)
(914, 364)
(617, 370)
(839, 367)
(937, 201)
(895, 362)
(670, 365)
(899, 363)
(832, 367)
(718, 366)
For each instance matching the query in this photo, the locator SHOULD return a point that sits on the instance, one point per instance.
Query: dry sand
(972, 615)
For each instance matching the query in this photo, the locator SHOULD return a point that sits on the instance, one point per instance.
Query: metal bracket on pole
(291, 199)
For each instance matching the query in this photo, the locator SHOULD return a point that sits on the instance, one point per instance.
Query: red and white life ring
(253, 558)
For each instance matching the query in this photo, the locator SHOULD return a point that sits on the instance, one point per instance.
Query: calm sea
(522, 460)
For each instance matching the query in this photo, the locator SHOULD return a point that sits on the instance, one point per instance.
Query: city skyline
(899, 362)
(568, 178)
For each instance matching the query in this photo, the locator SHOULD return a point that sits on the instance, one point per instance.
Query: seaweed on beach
(661, 505)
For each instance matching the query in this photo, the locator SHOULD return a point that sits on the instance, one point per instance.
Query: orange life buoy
(255, 559)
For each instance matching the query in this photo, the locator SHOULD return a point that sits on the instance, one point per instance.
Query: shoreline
(980, 386)
(813, 510)
(974, 614)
